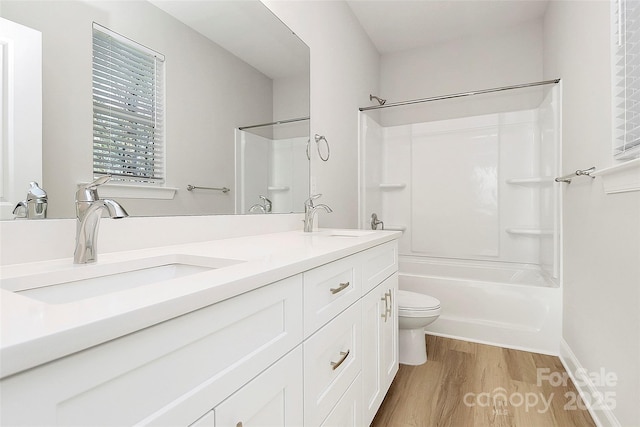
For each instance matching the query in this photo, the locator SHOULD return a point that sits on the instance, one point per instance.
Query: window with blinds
(128, 109)
(625, 26)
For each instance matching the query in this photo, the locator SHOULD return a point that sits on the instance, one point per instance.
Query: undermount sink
(86, 281)
(345, 233)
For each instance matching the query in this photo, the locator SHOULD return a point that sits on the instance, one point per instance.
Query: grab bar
(193, 187)
(579, 172)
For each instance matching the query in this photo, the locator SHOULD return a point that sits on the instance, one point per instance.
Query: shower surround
(274, 165)
(481, 217)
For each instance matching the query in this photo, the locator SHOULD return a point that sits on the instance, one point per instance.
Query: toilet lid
(416, 302)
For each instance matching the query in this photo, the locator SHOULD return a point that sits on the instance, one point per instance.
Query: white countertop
(34, 332)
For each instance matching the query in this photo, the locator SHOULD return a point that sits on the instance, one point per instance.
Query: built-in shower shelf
(523, 231)
(531, 180)
(390, 186)
(274, 188)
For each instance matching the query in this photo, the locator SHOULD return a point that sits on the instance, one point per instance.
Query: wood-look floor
(465, 384)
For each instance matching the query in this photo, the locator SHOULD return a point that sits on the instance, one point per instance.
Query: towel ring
(319, 138)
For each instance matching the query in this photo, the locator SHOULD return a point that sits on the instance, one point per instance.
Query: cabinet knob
(342, 287)
(239, 424)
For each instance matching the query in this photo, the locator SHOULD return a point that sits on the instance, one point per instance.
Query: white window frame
(131, 150)
(625, 71)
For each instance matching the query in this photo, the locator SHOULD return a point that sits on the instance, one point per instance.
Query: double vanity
(289, 328)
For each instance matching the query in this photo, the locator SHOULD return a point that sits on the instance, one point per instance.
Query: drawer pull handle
(344, 354)
(342, 287)
(239, 424)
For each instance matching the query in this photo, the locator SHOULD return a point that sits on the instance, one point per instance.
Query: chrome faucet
(310, 211)
(266, 207)
(89, 207)
(35, 205)
(267, 204)
(375, 221)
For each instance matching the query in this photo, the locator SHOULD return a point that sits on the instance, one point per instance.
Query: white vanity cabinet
(349, 363)
(169, 374)
(315, 349)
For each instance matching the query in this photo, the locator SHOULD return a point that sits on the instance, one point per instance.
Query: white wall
(506, 57)
(601, 323)
(207, 88)
(344, 70)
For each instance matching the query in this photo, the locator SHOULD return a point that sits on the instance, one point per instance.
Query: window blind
(626, 78)
(128, 109)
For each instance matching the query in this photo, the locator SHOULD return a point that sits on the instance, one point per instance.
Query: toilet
(415, 311)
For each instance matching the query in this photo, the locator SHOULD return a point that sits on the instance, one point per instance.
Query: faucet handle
(309, 201)
(98, 181)
(36, 192)
(88, 192)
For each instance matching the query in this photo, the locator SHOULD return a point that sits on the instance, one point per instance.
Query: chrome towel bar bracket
(579, 172)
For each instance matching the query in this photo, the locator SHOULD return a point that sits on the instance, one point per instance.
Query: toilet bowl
(415, 311)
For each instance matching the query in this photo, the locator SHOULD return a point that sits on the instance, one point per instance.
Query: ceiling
(397, 25)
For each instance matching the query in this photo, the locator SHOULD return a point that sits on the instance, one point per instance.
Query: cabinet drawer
(331, 363)
(348, 410)
(328, 290)
(274, 398)
(378, 263)
(170, 373)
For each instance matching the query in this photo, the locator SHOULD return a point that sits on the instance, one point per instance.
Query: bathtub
(510, 305)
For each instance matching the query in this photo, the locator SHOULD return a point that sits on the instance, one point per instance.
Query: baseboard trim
(603, 417)
(492, 343)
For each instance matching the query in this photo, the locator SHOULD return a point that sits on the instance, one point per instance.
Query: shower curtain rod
(279, 122)
(459, 95)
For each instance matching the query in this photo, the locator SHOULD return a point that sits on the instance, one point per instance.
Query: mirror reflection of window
(128, 109)
(228, 64)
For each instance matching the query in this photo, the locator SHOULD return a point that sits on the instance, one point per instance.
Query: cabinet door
(389, 340)
(379, 344)
(331, 363)
(274, 398)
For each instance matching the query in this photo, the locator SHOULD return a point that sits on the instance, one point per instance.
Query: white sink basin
(345, 233)
(86, 281)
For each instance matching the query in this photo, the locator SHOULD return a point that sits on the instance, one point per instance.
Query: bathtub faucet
(375, 222)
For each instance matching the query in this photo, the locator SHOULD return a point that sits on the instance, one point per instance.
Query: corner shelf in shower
(389, 186)
(525, 231)
(531, 180)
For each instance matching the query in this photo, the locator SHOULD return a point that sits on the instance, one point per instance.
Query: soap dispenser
(35, 205)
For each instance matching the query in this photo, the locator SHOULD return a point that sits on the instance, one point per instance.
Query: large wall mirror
(237, 104)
